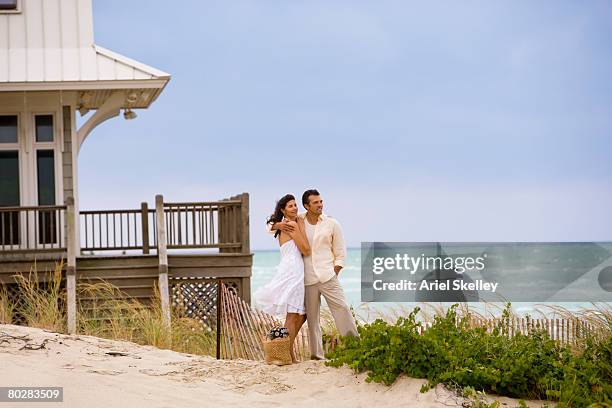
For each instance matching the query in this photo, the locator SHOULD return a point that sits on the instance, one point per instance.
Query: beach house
(51, 71)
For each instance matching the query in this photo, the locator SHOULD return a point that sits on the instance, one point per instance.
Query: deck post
(71, 264)
(245, 284)
(244, 223)
(221, 231)
(144, 215)
(162, 253)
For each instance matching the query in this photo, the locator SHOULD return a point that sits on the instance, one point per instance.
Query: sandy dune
(103, 373)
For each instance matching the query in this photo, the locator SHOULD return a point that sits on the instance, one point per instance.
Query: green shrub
(453, 353)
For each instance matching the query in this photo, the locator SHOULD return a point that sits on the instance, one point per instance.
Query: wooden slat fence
(566, 331)
(243, 329)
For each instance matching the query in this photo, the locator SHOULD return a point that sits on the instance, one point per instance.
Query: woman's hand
(300, 222)
(282, 226)
(300, 237)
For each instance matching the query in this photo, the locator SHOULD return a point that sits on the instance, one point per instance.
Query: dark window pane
(46, 177)
(8, 4)
(44, 128)
(47, 221)
(9, 197)
(9, 178)
(8, 129)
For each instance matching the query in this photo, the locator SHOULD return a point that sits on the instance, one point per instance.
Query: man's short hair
(306, 196)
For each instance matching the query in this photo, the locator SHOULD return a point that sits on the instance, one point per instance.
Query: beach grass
(113, 314)
(6, 306)
(102, 311)
(42, 302)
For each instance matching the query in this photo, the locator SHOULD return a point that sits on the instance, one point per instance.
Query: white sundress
(285, 292)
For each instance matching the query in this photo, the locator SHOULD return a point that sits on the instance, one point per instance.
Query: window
(8, 128)
(46, 177)
(9, 6)
(44, 128)
(45, 165)
(9, 197)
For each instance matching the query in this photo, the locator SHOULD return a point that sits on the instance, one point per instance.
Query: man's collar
(322, 217)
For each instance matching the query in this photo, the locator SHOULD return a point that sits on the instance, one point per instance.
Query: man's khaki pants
(334, 296)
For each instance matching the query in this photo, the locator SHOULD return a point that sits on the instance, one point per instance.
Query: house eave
(158, 83)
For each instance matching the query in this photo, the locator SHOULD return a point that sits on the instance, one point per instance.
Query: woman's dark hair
(277, 215)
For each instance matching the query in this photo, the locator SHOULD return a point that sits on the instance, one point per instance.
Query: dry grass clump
(107, 312)
(42, 302)
(6, 306)
(102, 311)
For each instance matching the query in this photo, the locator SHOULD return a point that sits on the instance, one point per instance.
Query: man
(321, 271)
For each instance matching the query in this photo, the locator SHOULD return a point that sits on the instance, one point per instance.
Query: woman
(284, 294)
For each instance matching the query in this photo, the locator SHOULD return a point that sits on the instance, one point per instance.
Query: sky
(417, 121)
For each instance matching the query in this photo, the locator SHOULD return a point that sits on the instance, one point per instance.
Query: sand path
(97, 372)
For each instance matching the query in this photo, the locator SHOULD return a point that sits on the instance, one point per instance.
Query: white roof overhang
(99, 72)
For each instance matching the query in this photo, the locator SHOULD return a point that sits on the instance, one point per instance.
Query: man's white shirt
(327, 249)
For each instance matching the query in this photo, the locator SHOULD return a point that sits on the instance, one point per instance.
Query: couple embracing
(312, 255)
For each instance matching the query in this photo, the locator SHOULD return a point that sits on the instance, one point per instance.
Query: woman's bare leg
(291, 323)
(299, 322)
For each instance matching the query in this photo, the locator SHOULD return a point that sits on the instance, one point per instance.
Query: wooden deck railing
(32, 229)
(112, 230)
(188, 225)
(203, 225)
(222, 224)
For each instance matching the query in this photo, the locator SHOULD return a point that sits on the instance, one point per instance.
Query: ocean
(266, 261)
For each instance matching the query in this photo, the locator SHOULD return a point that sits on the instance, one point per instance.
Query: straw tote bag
(277, 351)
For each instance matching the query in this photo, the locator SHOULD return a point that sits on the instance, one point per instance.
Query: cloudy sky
(445, 121)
